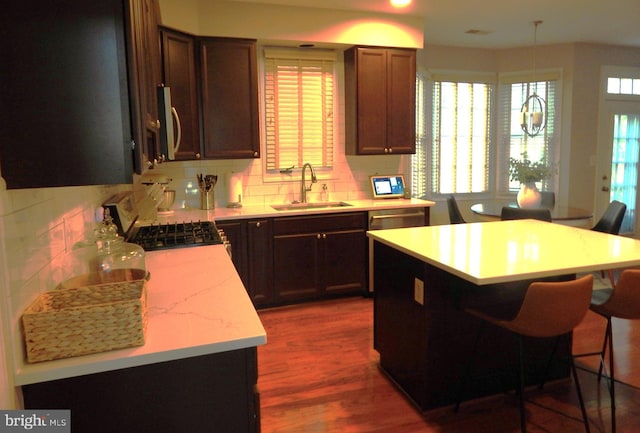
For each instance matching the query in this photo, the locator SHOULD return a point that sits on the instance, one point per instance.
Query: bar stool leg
(574, 371)
(523, 414)
(612, 381)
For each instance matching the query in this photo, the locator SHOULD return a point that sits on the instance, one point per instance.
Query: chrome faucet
(303, 184)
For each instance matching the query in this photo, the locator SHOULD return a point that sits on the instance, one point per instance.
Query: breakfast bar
(424, 277)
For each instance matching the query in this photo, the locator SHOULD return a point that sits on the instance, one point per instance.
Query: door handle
(605, 189)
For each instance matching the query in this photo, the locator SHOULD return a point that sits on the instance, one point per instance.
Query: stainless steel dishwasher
(391, 219)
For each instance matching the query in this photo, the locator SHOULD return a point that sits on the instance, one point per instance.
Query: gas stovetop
(154, 236)
(177, 235)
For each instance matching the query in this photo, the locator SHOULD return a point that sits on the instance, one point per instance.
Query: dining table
(492, 209)
(425, 277)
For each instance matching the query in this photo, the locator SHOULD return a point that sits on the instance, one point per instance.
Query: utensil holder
(207, 200)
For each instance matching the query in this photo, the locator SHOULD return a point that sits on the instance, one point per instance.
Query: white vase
(529, 196)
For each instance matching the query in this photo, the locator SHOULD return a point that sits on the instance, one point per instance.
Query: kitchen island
(426, 276)
(197, 368)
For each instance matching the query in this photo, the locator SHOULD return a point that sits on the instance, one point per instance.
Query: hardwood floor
(319, 373)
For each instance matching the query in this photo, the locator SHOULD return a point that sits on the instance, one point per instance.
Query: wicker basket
(78, 321)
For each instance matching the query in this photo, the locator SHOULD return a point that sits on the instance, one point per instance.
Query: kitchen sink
(315, 205)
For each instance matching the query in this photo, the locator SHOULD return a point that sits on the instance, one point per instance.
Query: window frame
(503, 146)
(304, 54)
(426, 188)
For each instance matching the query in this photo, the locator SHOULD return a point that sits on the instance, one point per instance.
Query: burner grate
(177, 235)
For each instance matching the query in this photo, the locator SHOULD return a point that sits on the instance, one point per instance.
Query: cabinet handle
(324, 235)
(318, 236)
(197, 155)
(258, 224)
(255, 154)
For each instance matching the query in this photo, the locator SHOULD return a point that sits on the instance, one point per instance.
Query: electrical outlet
(418, 291)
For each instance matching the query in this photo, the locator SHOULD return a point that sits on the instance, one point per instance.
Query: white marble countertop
(197, 305)
(267, 211)
(502, 251)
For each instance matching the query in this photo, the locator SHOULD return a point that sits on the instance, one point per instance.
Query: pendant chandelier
(533, 114)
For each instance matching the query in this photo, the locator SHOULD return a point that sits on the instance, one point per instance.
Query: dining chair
(621, 301)
(517, 213)
(610, 223)
(549, 309)
(455, 216)
(611, 220)
(548, 199)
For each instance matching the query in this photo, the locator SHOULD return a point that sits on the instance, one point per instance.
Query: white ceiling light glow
(400, 3)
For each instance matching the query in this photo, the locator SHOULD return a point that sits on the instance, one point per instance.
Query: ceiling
(508, 23)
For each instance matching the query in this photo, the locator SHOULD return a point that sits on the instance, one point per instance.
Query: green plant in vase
(528, 172)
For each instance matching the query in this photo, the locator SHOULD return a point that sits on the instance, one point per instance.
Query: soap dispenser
(324, 194)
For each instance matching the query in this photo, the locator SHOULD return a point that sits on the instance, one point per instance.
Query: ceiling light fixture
(400, 3)
(533, 114)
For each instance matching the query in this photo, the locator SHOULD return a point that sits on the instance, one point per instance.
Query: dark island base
(210, 393)
(424, 348)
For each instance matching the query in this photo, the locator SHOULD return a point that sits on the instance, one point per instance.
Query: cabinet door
(295, 267)
(380, 101)
(401, 101)
(370, 99)
(145, 67)
(179, 73)
(236, 234)
(345, 260)
(207, 393)
(64, 94)
(229, 98)
(260, 276)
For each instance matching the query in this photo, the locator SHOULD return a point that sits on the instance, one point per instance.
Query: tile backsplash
(348, 180)
(37, 227)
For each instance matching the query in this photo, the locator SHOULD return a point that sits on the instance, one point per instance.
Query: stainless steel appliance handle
(397, 215)
(174, 112)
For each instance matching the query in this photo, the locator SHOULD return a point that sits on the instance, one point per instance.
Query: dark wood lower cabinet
(319, 256)
(259, 247)
(210, 393)
(292, 259)
(251, 254)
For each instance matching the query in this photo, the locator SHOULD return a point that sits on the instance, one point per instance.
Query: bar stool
(549, 309)
(621, 301)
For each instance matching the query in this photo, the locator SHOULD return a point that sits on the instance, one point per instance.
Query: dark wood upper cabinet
(179, 73)
(64, 94)
(229, 91)
(145, 72)
(380, 100)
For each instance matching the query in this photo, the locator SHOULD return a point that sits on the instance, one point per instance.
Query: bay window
(465, 135)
